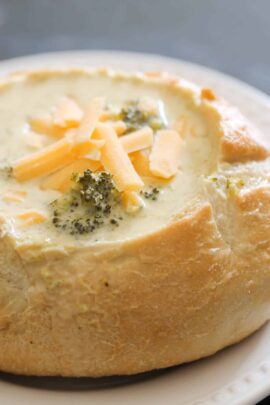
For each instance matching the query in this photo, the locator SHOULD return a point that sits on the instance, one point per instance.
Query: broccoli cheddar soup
(98, 156)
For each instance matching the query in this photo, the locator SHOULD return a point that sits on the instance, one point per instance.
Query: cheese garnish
(137, 140)
(14, 195)
(67, 113)
(166, 152)
(44, 161)
(105, 115)
(31, 217)
(62, 181)
(116, 161)
(88, 142)
(119, 127)
(53, 157)
(43, 124)
(141, 163)
(132, 201)
(90, 119)
(88, 148)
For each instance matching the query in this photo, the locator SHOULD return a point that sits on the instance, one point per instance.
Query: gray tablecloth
(229, 35)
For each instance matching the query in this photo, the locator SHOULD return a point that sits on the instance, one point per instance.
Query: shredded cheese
(55, 156)
(90, 119)
(94, 151)
(43, 124)
(116, 161)
(166, 152)
(67, 113)
(131, 201)
(44, 161)
(141, 163)
(119, 127)
(137, 140)
(88, 143)
(14, 195)
(105, 115)
(31, 217)
(62, 181)
(87, 148)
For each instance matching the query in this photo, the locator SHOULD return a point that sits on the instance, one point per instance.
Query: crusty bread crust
(197, 285)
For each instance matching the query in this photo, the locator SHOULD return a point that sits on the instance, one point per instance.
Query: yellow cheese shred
(44, 161)
(88, 148)
(14, 195)
(43, 124)
(31, 217)
(116, 161)
(54, 156)
(137, 140)
(141, 163)
(119, 127)
(61, 180)
(94, 151)
(107, 115)
(166, 152)
(131, 201)
(90, 119)
(67, 113)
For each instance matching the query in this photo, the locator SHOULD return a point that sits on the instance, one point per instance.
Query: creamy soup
(25, 98)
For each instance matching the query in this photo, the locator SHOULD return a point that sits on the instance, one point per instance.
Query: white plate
(237, 375)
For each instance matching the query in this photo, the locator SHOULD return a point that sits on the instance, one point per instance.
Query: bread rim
(178, 294)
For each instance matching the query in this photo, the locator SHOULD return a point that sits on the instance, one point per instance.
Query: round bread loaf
(149, 294)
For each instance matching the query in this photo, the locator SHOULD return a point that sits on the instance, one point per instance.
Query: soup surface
(27, 98)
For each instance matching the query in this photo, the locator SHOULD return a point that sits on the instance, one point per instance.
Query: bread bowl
(177, 280)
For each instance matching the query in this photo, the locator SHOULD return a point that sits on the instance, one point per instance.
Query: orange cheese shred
(131, 201)
(119, 127)
(67, 113)
(44, 161)
(31, 217)
(90, 119)
(105, 115)
(141, 163)
(55, 156)
(14, 195)
(94, 152)
(43, 124)
(166, 152)
(88, 148)
(61, 180)
(137, 140)
(116, 161)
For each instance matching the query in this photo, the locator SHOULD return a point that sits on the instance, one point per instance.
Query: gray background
(229, 35)
(232, 36)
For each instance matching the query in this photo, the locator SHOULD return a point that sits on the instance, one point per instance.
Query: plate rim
(29, 58)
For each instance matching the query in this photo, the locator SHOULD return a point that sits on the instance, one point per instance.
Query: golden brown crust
(181, 293)
(237, 136)
(174, 296)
